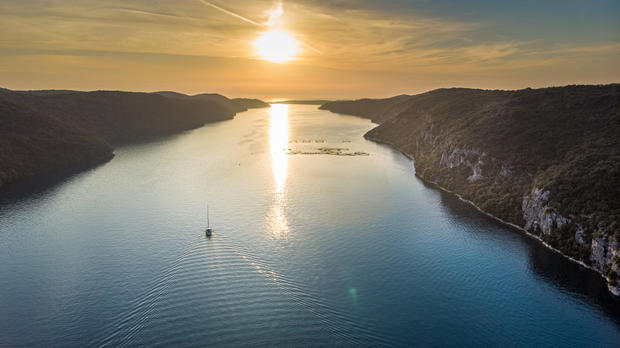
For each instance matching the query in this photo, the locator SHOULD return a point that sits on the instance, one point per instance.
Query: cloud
(390, 40)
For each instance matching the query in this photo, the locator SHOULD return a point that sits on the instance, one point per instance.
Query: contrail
(150, 13)
(245, 19)
(231, 13)
(308, 46)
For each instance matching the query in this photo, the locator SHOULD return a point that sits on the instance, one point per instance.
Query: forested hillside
(45, 135)
(547, 160)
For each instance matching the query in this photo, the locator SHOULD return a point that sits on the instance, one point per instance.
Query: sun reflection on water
(278, 138)
(277, 222)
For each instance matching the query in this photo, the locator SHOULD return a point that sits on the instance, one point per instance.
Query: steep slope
(546, 160)
(37, 146)
(225, 103)
(378, 110)
(218, 102)
(250, 103)
(48, 135)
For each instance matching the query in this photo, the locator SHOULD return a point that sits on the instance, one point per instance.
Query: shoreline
(613, 291)
(28, 186)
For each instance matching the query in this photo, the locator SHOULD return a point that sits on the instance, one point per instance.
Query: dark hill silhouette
(48, 134)
(222, 103)
(376, 109)
(48, 91)
(250, 103)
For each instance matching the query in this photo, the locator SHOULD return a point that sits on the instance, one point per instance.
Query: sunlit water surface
(309, 250)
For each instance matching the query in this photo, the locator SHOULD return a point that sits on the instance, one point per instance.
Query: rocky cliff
(545, 160)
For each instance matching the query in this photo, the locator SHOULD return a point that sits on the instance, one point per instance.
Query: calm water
(308, 249)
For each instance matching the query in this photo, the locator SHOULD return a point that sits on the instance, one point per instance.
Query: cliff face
(45, 135)
(545, 160)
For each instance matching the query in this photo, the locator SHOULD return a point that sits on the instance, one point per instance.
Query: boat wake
(234, 297)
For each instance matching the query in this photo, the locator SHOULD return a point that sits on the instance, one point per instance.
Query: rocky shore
(545, 161)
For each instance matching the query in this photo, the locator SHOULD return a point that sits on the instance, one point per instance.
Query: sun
(277, 46)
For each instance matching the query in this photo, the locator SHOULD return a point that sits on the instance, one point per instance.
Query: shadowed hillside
(48, 134)
(378, 110)
(231, 105)
(547, 160)
(219, 103)
(250, 103)
(38, 146)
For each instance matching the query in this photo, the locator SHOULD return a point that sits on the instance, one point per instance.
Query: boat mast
(208, 223)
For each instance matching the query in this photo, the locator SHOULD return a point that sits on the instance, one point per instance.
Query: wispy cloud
(274, 17)
(392, 39)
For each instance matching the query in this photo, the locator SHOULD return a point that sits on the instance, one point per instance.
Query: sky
(347, 48)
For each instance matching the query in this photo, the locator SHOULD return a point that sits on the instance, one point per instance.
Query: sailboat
(209, 230)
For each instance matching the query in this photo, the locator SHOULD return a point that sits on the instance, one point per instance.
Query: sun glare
(277, 46)
(278, 138)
